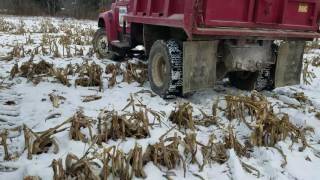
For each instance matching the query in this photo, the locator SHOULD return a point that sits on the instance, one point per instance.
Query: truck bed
(267, 18)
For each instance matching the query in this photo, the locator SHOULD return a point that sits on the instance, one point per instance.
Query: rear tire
(261, 80)
(165, 68)
(101, 45)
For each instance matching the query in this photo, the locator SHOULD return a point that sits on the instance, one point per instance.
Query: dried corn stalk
(191, 147)
(307, 75)
(269, 127)
(56, 100)
(207, 120)
(76, 168)
(182, 116)
(4, 137)
(135, 72)
(110, 68)
(37, 143)
(273, 129)
(113, 126)
(135, 156)
(112, 81)
(213, 152)
(90, 75)
(240, 107)
(30, 70)
(58, 171)
(91, 98)
(79, 121)
(165, 155)
(32, 178)
(301, 97)
(14, 71)
(120, 166)
(61, 75)
(231, 142)
(317, 115)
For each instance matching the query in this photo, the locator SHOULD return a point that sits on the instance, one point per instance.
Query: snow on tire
(165, 68)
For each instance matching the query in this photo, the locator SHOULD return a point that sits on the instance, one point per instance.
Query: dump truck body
(258, 18)
(190, 44)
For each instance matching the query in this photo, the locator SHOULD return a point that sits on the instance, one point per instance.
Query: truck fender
(109, 24)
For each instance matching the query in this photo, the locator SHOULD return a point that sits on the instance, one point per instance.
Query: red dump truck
(192, 44)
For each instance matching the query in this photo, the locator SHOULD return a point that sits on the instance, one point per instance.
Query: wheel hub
(103, 45)
(159, 70)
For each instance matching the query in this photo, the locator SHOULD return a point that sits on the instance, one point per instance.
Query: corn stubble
(89, 75)
(131, 72)
(267, 127)
(80, 121)
(111, 125)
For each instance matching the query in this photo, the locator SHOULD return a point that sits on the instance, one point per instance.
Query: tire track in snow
(9, 108)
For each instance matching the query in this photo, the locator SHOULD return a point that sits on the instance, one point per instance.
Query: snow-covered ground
(32, 106)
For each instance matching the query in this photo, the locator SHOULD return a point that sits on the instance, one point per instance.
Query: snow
(33, 107)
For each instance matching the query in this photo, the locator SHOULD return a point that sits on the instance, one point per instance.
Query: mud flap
(199, 65)
(289, 63)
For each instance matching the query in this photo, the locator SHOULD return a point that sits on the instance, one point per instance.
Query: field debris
(135, 72)
(32, 178)
(135, 156)
(130, 71)
(317, 115)
(89, 75)
(165, 153)
(273, 129)
(75, 168)
(53, 116)
(191, 147)
(111, 68)
(34, 72)
(4, 137)
(231, 142)
(182, 116)
(213, 152)
(307, 74)
(267, 127)
(301, 97)
(91, 98)
(38, 143)
(56, 100)
(79, 121)
(111, 125)
(118, 164)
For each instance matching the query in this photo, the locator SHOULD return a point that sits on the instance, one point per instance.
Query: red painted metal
(261, 18)
(111, 20)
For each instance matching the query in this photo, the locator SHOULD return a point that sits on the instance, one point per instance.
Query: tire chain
(176, 83)
(265, 79)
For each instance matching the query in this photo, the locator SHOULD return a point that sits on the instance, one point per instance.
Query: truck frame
(192, 44)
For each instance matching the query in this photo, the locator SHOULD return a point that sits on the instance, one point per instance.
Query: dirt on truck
(192, 44)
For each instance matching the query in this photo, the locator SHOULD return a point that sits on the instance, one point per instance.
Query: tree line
(66, 8)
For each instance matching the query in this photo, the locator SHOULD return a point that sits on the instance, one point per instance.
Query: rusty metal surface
(247, 57)
(289, 63)
(199, 65)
